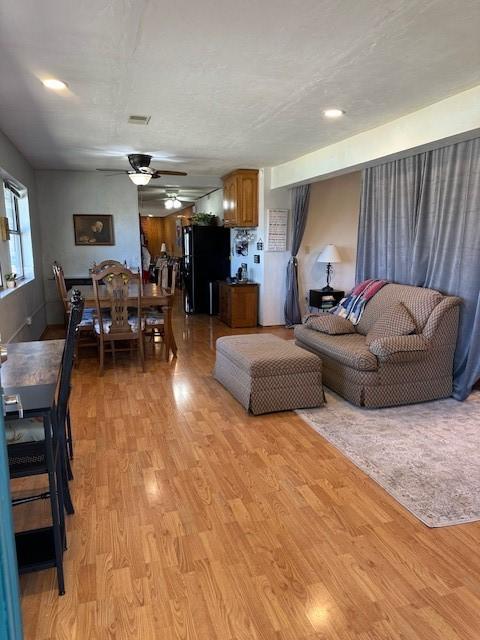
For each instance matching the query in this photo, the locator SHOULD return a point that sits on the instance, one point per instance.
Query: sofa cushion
(396, 321)
(420, 303)
(329, 323)
(350, 350)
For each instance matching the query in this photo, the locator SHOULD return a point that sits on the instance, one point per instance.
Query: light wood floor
(196, 521)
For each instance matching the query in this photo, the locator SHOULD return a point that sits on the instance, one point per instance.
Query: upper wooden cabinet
(240, 198)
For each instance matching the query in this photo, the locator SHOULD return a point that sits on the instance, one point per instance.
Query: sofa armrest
(438, 314)
(400, 348)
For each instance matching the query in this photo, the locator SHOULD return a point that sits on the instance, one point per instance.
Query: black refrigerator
(206, 259)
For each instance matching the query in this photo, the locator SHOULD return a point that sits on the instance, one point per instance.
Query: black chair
(37, 445)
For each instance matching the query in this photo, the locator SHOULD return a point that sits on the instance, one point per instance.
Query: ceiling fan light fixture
(169, 203)
(140, 179)
(177, 204)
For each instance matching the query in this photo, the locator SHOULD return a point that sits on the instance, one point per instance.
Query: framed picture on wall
(277, 229)
(93, 229)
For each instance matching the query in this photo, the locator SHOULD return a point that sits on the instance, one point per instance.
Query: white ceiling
(227, 83)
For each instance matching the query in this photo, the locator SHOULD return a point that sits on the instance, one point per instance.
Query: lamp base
(327, 288)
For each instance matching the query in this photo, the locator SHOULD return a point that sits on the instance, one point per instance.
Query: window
(12, 210)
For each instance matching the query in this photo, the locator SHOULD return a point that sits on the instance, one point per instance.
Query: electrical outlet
(28, 321)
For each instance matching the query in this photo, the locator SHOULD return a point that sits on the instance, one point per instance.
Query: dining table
(32, 363)
(152, 296)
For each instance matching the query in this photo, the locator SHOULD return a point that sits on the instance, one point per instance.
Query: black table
(324, 300)
(31, 372)
(36, 547)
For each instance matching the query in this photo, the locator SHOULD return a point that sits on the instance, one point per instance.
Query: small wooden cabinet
(240, 198)
(238, 304)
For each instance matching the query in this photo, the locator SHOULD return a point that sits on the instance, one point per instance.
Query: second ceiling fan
(141, 172)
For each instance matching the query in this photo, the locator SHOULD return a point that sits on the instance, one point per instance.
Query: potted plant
(204, 219)
(11, 280)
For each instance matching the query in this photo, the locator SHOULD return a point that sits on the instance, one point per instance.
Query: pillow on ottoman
(397, 321)
(328, 323)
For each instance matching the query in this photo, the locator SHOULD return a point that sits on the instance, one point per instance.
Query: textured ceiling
(227, 83)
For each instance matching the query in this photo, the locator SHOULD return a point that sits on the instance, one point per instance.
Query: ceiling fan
(173, 200)
(142, 173)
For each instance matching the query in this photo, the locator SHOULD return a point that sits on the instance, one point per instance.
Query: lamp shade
(329, 254)
(163, 248)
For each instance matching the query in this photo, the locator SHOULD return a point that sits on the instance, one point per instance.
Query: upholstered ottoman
(265, 373)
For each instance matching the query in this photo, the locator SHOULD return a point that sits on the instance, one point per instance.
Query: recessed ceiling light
(333, 113)
(53, 83)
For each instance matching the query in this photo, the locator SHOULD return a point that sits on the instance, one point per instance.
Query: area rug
(427, 456)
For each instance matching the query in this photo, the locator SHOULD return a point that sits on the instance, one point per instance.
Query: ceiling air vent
(139, 119)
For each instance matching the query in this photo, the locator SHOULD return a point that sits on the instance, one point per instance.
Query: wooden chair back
(75, 317)
(60, 283)
(167, 276)
(120, 286)
(105, 264)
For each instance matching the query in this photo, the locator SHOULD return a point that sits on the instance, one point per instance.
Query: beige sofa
(394, 370)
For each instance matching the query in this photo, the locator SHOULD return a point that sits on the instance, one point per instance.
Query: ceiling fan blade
(158, 173)
(113, 171)
(184, 199)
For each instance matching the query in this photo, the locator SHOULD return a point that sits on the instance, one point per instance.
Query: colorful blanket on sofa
(351, 307)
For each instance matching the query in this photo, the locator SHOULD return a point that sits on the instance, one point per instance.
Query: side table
(324, 300)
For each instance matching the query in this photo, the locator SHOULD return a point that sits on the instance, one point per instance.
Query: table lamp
(163, 249)
(329, 256)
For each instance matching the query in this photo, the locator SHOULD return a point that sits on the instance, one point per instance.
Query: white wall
(450, 120)
(63, 193)
(255, 271)
(27, 301)
(332, 219)
(275, 263)
(211, 203)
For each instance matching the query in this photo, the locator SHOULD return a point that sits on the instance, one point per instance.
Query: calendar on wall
(277, 229)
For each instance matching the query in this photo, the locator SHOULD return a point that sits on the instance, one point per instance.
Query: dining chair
(105, 264)
(86, 335)
(61, 286)
(118, 296)
(167, 275)
(155, 317)
(36, 445)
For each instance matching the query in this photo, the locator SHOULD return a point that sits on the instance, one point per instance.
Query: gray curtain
(300, 198)
(387, 190)
(420, 224)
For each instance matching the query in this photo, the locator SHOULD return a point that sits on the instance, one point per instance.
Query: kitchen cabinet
(240, 198)
(238, 304)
